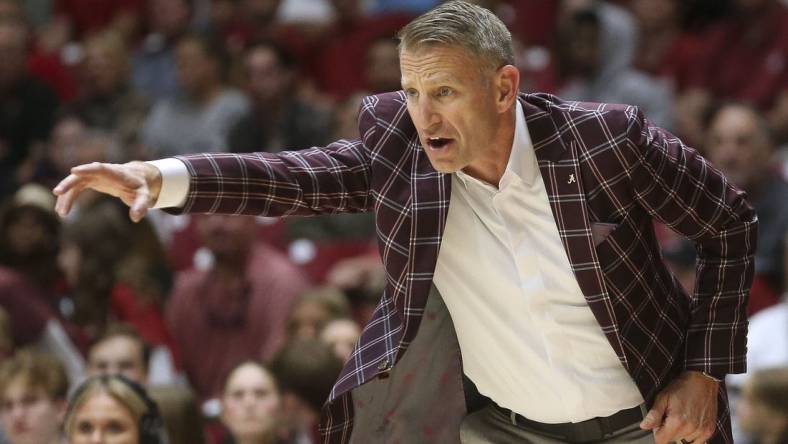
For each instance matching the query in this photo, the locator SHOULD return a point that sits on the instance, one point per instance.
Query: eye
(411, 93)
(444, 91)
(84, 428)
(115, 428)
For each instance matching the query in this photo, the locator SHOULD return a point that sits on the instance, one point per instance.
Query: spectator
(27, 110)
(29, 278)
(342, 335)
(257, 20)
(122, 351)
(763, 411)
(153, 65)
(740, 145)
(29, 237)
(46, 59)
(664, 50)
(589, 76)
(72, 142)
(335, 59)
(33, 391)
(233, 309)
(306, 371)
(109, 277)
(108, 102)
(279, 119)
(251, 405)
(112, 405)
(200, 119)
(314, 309)
(382, 66)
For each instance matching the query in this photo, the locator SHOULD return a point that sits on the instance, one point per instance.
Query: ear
(507, 86)
(61, 408)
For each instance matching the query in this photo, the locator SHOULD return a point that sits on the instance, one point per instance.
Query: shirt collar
(522, 161)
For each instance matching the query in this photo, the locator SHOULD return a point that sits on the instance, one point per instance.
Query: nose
(726, 153)
(424, 115)
(97, 437)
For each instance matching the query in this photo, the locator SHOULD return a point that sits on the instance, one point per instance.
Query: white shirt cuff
(174, 182)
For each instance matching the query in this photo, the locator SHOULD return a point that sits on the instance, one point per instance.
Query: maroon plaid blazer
(601, 163)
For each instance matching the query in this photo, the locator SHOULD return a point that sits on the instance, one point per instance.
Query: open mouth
(437, 143)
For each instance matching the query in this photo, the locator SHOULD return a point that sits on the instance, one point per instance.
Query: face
(583, 48)
(12, 52)
(266, 78)
(104, 69)
(454, 107)
(738, 147)
(655, 14)
(68, 138)
(103, 420)
(118, 355)
(382, 71)
(307, 319)
(194, 68)
(28, 234)
(30, 416)
(69, 261)
(250, 403)
(169, 16)
(226, 235)
(341, 335)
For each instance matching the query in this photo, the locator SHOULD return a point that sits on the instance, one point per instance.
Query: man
(27, 110)
(740, 144)
(236, 308)
(278, 119)
(33, 389)
(568, 343)
(122, 351)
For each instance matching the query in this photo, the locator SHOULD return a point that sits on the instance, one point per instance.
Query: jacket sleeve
(683, 190)
(330, 179)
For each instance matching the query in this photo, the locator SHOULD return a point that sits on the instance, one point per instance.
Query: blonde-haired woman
(110, 409)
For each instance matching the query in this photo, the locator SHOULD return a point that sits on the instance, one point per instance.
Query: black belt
(589, 430)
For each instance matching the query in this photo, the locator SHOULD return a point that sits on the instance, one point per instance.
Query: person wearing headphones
(110, 409)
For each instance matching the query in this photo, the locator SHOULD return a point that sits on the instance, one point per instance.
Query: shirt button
(383, 364)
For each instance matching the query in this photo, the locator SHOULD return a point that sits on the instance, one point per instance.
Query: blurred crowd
(236, 327)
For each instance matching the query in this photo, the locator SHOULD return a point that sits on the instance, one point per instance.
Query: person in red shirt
(235, 307)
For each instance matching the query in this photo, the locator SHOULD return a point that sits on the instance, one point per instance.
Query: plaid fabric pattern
(601, 163)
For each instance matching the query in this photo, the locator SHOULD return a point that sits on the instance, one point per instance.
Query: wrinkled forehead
(439, 61)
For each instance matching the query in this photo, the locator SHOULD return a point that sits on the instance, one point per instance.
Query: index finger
(667, 433)
(66, 184)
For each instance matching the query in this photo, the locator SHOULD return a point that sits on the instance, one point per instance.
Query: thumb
(140, 206)
(654, 416)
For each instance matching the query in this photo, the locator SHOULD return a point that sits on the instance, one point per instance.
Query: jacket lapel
(559, 165)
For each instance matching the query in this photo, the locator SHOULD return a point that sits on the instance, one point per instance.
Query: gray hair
(458, 23)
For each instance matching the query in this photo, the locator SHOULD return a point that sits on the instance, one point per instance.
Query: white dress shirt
(529, 340)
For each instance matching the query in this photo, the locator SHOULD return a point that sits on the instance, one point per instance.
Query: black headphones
(151, 426)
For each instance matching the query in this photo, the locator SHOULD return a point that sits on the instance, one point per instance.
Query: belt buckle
(589, 430)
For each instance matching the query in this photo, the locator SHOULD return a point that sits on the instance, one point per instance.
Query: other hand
(137, 184)
(685, 410)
